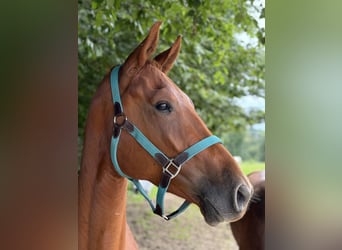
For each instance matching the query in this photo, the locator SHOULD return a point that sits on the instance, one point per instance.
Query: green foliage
(212, 68)
(248, 144)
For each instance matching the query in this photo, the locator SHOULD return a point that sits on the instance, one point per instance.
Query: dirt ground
(188, 231)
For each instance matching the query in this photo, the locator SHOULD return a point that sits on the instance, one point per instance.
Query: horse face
(167, 116)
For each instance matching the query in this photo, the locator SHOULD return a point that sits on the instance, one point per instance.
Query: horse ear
(145, 49)
(168, 57)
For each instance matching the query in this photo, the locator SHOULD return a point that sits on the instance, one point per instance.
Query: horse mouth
(215, 214)
(211, 215)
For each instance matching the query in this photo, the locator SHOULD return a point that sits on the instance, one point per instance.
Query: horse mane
(154, 63)
(148, 62)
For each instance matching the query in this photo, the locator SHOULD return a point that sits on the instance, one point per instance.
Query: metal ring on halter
(120, 117)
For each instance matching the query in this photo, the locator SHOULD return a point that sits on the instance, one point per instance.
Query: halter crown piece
(170, 166)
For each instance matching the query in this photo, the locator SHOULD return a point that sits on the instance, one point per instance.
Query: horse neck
(102, 192)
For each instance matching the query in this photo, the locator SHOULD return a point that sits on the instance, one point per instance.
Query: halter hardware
(120, 120)
(170, 167)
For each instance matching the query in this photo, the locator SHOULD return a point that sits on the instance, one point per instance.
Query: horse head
(167, 117)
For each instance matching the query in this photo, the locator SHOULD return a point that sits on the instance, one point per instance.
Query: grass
(250, 166)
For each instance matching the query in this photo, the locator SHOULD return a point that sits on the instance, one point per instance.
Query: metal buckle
(120, 120)
(174, 168)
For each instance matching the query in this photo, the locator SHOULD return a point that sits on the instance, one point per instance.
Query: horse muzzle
(219, 203)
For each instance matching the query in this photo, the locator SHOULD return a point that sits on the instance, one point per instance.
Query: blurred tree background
(221, 59)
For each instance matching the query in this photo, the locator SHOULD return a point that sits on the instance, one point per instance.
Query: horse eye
(163, 106)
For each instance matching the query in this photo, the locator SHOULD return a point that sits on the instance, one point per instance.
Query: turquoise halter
(171, 166)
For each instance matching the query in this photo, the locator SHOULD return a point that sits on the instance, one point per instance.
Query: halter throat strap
(170, 166)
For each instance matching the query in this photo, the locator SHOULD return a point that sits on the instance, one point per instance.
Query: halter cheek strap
(170, 166)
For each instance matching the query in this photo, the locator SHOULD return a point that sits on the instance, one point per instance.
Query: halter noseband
(171, 166)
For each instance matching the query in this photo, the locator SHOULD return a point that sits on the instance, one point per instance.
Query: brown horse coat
(249, 231)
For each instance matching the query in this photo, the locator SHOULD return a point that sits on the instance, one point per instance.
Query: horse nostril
(242, 196)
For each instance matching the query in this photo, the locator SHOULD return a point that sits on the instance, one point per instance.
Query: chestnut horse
(249, 231)
(156, 110)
